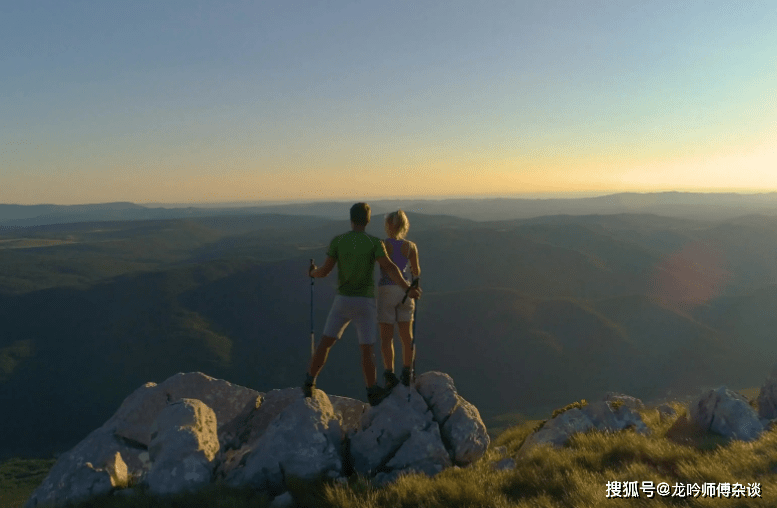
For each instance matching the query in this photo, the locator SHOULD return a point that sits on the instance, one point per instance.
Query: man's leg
(368, 364)
(387, 345)
(316, 363)
(319, 357)
(334, 327)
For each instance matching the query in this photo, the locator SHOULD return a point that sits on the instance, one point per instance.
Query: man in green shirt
(355, 253)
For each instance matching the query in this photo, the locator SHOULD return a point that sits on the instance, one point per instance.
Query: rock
(80, 483)
(500, 450)
(767, 398)
(507, 464)
(422, 452)
(99, 447)
(666, 412)
(726, 413)
(285, 500)
(303, 441)
(168, 438)
(462, 428)
(557, 431)
(350, 411)
(242, 434)
(424, 430)
(609, 417)
(627, 400)
(604, 416)
(256, 416)
(184, 443)
(465, 433)
(116, 467)
(438, 391)
(134, 418)
(128, 431)
(385, 428)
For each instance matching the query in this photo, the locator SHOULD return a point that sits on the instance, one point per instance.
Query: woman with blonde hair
(391, 308)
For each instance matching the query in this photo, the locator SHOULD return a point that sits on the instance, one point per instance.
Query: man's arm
(324, 270)
(393, 272)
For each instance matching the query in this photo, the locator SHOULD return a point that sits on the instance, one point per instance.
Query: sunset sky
(190, 101)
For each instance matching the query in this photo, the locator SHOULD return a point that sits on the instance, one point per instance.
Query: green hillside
(525, 315)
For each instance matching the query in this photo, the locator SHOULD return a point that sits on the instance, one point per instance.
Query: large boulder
(128, 431)
(462, 428)
(726, 413)
(386, 427)
(183, 445)
(425, 429)
(133, 420)
(465, 433)
(303, 441)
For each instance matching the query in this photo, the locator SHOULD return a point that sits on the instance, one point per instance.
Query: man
(355, 253)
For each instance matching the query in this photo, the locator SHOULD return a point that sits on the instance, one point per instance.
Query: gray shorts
(359, 309)
(390, 306)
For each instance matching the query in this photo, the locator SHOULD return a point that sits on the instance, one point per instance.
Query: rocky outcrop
(192, 430)
(604, 416)
(726, 413)
(128, 432)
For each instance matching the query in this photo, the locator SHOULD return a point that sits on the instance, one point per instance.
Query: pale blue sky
(218, 101)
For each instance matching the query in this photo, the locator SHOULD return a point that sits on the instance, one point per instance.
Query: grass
(575, 475)
(20, 477)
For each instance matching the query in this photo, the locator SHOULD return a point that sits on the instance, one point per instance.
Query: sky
(194, 102)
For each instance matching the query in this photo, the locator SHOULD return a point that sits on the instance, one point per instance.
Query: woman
(391, 310)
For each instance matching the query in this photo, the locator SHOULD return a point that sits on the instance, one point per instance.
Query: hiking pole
(414, 284)
(312, 336)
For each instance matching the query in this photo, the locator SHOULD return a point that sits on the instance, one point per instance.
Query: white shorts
(359, 309)
(390, 306)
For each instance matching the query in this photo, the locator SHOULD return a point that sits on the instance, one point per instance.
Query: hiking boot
(309, 386)
(376, 394)
(391, 380)
(407, 376)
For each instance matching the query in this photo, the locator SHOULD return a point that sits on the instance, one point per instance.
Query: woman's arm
(413, 257)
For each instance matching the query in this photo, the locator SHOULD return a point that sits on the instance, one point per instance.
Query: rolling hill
(524, 314)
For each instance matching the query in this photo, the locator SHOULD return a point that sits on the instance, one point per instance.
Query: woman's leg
(406, 334)
(387, 345)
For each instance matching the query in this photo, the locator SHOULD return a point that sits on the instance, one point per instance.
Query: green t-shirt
(356, 252)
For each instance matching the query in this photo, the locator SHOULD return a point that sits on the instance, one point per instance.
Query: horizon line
(528, 196)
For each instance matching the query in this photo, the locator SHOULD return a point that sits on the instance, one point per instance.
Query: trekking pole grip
(413, 284)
